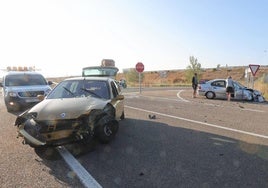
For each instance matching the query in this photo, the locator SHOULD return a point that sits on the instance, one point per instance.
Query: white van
(21, 88)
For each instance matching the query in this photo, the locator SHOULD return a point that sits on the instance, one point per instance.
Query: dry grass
(263, 87)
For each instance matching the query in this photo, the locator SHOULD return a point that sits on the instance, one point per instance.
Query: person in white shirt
(229, 87)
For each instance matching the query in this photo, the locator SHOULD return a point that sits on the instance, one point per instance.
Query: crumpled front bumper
(29, 132)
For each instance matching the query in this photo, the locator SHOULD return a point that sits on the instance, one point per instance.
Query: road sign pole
(139, 69)
(140, 81)
(253, 78)
(254, 69)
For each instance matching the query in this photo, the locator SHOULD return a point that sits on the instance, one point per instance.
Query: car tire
(106, 129)
(210, 95)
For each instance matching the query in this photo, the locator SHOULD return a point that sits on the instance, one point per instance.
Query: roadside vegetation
(262, 85)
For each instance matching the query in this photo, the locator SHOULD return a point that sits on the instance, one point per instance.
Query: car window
(220, 83)
(239, 85)
(114, 89)
(65, 89)
(100, 88)
(99, 71)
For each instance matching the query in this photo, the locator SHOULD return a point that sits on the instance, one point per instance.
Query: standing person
(194, 84)
(229, 87)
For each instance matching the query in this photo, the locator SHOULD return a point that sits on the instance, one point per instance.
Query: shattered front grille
(57, 125)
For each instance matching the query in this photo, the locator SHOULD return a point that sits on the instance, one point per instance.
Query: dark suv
(20, 89)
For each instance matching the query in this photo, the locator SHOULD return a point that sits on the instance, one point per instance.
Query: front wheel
(107, 129)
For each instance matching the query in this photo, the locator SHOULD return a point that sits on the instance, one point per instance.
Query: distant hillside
(176, 77)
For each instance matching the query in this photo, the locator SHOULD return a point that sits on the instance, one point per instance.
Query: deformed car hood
(67, 108)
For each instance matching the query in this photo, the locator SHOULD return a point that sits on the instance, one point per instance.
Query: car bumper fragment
(29, 139)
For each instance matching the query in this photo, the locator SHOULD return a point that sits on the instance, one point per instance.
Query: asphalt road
(190, 143)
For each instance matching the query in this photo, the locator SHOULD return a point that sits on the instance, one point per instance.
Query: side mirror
(120, 97)
(50, 82)
(41, 97)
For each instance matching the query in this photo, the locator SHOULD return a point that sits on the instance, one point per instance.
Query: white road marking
(222, 140)
(178, 95)
(134, 95)
(86, 179)
(252, 110)
(163, 98)
(199, 122)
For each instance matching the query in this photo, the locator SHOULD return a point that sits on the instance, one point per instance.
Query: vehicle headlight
(12, 94)
(32, 115)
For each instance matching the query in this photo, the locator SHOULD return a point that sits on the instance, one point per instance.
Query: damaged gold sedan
(77, 109)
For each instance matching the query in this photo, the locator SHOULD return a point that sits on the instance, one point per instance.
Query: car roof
(91, 78)
(217, 79)
(22, 72)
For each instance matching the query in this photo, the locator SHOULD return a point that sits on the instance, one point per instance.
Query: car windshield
(239, 85)
(25, 80)
(80, 88)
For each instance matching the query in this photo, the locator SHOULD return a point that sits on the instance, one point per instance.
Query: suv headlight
(12, 94)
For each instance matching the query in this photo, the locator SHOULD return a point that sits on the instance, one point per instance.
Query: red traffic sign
(254, 69)
(139, 67)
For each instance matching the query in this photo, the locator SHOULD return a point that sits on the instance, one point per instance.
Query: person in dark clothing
(194, 84)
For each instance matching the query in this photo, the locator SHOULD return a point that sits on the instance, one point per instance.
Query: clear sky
(62, 36)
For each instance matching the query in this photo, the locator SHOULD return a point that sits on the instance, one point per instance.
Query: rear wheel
(210, 95)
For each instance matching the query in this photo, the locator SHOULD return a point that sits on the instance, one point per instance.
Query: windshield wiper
(68, 90)
(90, 92)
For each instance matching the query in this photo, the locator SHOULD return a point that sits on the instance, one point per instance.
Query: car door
(117, 99)
(219, 88)
(238, 91)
